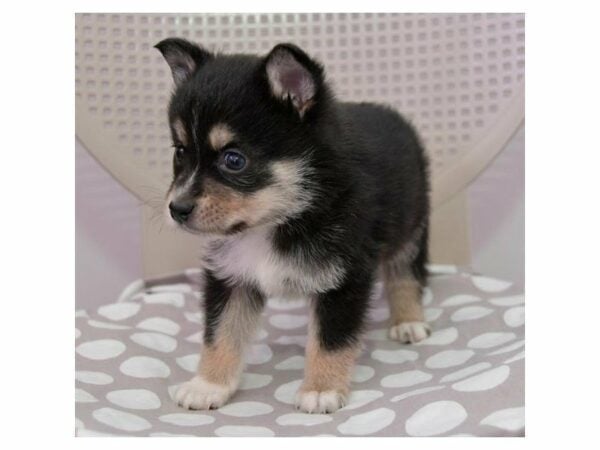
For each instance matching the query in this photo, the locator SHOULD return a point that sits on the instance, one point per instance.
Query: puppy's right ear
(183, 57)
(294, 76)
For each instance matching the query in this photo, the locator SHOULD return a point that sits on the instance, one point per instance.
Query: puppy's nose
(181, 211)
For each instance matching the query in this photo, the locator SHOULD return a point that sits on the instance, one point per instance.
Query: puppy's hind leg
(404, 278)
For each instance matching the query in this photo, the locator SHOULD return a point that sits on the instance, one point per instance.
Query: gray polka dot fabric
(467, 379)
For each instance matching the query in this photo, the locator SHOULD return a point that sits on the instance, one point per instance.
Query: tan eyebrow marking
(219, 136)
(180, 132)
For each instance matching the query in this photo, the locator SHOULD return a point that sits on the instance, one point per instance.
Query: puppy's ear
(183, 57)
(293, 76)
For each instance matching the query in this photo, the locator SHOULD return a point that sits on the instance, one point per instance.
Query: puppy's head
(244, 130)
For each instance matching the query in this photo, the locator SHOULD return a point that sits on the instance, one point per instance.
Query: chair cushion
(466, 379)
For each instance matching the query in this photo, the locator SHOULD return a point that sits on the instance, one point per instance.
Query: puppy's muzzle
(181, 211)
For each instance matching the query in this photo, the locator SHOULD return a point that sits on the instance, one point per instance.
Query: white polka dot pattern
(119, 311)
(258, 354)
(460, 300)
(254, 381)
(121, 420)
(508, 348)
(243, 431)
(394, 356)
(405, 379)
(483, 381)
(416, 392)
(436, 418)
(508, 301)
(510, 419)
(189, 362)
(293, 363)
(358, 399)
(303, 419)
(470, 313)
(155, 341)
(444, 336)
(367, 423)
(101, 349)
(134, 399)
(448, 358)
(515, 317)
(488, 340)
(85, 376)
(517, 357)
(465, 372)
(160, 324)
(107, 325)
(187, 420)
(465, 379)
(286, 392)
(432, 314)
(167, 298)
(361, 373)
(245, 409)
(487, 284)
(196, 338)
(145, 367)
(82, 396)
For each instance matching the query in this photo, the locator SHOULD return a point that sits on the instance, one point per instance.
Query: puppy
(293, 194)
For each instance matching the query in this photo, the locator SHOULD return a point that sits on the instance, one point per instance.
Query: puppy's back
(389, 152)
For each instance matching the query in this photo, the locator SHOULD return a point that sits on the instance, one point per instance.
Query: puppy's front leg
(332, 348)
(231, 317)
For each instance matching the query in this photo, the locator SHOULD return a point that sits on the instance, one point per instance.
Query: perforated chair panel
(458, 77)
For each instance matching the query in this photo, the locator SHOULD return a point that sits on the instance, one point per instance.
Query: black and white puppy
(294, 194)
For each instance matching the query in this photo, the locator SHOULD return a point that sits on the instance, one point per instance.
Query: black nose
(181, 211)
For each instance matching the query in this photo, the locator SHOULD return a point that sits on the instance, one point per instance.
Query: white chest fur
(250, 257)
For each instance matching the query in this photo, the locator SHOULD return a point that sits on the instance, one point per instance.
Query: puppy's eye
(179, 152)
(233, 161)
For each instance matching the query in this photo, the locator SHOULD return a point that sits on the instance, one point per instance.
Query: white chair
(458, 77)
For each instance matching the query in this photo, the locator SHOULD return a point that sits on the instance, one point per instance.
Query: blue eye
(179, 152)
(234, 161)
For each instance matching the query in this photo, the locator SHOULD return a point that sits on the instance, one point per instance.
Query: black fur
(216, 295)
(341, 312)
(368, 179)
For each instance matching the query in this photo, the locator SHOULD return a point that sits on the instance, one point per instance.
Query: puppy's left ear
(294, 76)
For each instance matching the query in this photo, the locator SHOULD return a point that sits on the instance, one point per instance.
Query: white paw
(201, 394)
(410, 332)
(319, 402)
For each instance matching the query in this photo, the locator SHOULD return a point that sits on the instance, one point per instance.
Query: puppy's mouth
(237, 227)
(190, 229)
